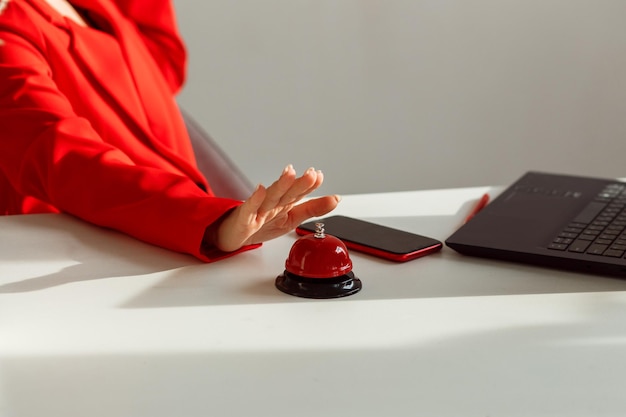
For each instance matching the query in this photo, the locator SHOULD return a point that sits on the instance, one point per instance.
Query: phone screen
(375, 239)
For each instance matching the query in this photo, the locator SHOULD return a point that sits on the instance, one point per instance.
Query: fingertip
(288, 169)
(309, 172)
(320, 177)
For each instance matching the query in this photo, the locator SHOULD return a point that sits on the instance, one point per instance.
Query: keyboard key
(579, 246)
(614, 253)
(563, 240)
(604, 241)
(596, 249)
(557, 246)
(596, 228)
(591, 232)
(579, 225)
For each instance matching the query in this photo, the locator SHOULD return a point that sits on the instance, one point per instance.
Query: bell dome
(318, 256)
(318, 266)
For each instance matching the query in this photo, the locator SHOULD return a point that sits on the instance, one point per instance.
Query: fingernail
(287, 169)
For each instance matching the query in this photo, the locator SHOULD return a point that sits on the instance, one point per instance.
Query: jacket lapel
(115, 80)
(135, 96)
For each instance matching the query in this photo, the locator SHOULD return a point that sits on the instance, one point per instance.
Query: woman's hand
(273, 211)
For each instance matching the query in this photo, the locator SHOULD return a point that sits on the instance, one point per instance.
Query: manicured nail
(287, 169)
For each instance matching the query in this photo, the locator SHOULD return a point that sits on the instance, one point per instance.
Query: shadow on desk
(48, 251)
(249, 278)
(543, 360)
(76, 250)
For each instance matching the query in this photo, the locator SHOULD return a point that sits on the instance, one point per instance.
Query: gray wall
(387, 95)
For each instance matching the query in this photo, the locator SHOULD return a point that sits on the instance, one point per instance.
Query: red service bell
(318, 266)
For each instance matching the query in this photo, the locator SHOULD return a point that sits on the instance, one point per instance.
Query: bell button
(318, 266)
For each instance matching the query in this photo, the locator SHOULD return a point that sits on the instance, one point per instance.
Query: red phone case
(397, 257)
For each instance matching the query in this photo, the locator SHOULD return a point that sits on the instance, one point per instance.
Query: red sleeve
(50, 153)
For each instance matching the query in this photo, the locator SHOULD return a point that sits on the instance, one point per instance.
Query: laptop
(561, 221)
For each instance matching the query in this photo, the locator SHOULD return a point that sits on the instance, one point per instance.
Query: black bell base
(298, 286)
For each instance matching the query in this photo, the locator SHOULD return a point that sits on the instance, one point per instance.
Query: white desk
(93, 323)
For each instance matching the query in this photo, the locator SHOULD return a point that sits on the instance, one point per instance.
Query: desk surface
(93, 323)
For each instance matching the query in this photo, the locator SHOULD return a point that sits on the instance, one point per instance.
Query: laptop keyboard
(600, 228)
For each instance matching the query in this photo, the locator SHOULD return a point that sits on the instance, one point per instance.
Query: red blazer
(89, 125)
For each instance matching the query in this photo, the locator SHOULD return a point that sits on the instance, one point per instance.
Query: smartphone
(374, 239)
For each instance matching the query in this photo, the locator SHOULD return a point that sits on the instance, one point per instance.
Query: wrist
(211, 238)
